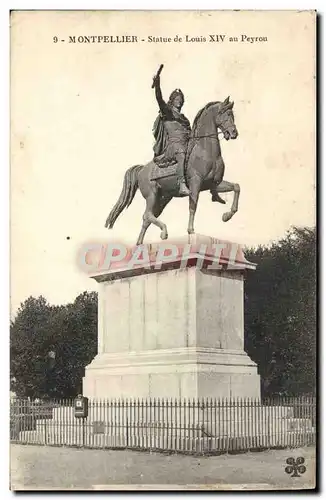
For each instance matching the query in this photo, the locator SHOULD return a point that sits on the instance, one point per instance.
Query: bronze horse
(204, 171)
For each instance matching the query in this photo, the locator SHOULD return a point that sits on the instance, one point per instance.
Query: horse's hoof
(191, 231)
(164, 235)
(227, 216)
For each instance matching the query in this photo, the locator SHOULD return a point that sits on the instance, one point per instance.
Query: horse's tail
(129, 188)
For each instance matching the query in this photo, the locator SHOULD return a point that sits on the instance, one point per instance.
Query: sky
(82, 114)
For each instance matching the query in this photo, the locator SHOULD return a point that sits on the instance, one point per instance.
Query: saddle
(163, 167)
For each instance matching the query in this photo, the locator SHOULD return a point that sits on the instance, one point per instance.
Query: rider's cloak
(161, 136)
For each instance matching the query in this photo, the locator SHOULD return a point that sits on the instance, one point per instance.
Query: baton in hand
(157, 75)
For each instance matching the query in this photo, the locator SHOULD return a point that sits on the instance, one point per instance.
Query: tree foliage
(70, 332)
(280, 313)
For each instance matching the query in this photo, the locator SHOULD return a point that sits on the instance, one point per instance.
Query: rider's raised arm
(158, 94)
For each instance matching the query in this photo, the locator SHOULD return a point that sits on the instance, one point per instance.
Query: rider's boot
(183, 190)
(216, 196)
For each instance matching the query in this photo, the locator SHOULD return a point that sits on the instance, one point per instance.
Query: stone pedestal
(173, 332)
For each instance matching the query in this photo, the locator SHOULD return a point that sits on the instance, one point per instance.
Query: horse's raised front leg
(194, 187)
(226, 187)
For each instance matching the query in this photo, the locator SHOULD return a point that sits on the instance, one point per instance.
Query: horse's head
(224, 119)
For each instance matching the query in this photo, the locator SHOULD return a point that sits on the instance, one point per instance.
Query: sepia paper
(82, 113)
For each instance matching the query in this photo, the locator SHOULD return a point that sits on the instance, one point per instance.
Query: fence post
(45, 431)
(83, 428)
(127, 425)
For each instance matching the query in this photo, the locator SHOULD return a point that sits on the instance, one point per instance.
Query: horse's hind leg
(145, 226)
(149, 217)
(157, 210)
(226, 187)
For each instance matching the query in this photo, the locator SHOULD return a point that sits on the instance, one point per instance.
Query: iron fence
(205, 426)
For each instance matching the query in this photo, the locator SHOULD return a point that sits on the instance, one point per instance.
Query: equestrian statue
(186, 161)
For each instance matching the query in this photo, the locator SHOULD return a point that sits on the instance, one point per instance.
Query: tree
(50, 346)
(28, 334)
(280, 313)
(77, 344)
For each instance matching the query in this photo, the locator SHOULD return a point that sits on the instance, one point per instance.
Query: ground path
(45, 467)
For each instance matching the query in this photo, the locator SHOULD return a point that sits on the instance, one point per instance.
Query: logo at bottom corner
(295, 466)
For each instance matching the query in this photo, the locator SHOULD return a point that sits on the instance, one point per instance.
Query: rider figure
(171, 131)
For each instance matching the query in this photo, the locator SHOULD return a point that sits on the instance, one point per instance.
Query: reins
(208, 136)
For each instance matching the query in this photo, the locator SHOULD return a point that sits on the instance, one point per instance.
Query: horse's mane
(195, 125)
(200, 112)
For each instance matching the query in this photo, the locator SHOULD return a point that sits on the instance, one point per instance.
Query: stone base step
(170, 442)
(213, 428)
